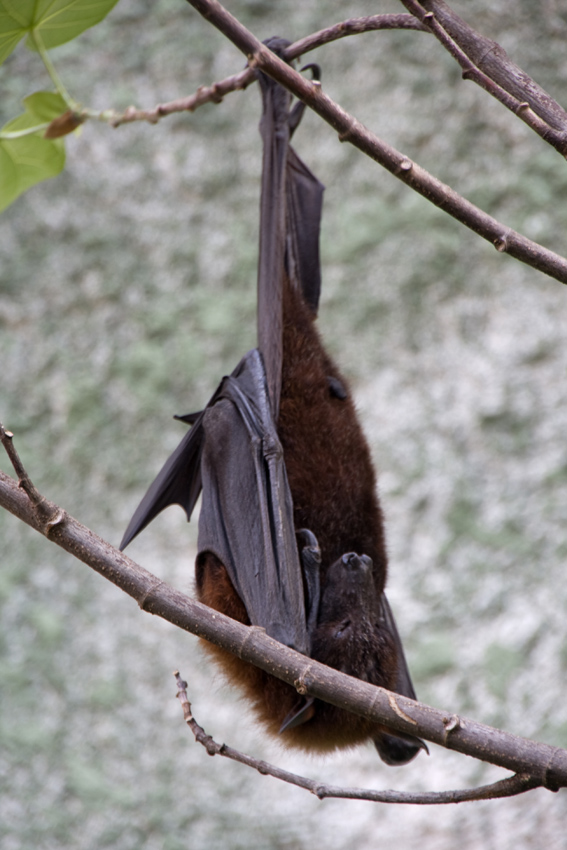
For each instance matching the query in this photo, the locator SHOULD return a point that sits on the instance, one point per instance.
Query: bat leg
(310, 554)
(398, 749)
(303, 711)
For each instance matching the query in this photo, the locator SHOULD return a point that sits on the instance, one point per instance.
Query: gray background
(127, 288)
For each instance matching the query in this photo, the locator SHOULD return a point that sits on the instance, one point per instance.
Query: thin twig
(48, 514)
(548, 765)
(520, 108)
(354, 26)
(237, 82)
(24, 481)
(350, 130)
(203, 95)
(509, 787)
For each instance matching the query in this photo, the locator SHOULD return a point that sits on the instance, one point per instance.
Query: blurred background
(127, 289)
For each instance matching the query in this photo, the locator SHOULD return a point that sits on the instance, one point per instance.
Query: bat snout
(353, 562)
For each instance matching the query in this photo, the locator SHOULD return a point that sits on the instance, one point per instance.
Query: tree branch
(350, 130)
(516, 103)
(503, 238)
(509, 787)
(354, 26)
(237, 82)
(491, 58)
(481, 59)
(545, 764)
(204, 94)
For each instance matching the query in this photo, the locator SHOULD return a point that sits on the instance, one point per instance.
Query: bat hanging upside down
(291, 533)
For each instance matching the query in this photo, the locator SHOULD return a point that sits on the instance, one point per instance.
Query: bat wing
(179, 480)
(274, 129)
(304, 203)
(246, 515)
(178, 483)
(397, 748)
(233, 455)
(404, 685)
(290, 220)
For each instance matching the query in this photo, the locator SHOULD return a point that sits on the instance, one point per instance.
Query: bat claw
(302, 712)
(315, 70)
(307, 540)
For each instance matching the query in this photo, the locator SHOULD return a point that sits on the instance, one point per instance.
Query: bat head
(348, 595)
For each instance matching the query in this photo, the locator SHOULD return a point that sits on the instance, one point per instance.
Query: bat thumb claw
(301, 713)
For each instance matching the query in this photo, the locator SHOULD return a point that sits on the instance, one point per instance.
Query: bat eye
(336, 388)
(342, 628)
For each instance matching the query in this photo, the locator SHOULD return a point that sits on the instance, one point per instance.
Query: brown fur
(334, 494)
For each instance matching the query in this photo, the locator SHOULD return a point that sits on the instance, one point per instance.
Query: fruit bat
(291, 533)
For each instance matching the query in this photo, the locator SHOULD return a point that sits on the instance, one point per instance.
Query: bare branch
(48, 514)
(509, 787)
(545, 764)
(536, 102)
(237, 82)
(354, 26)
(520, 107)
(491, 58)
(350, 130)
(204, 94)
(481, 59)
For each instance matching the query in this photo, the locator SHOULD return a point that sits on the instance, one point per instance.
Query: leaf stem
(56, 79)
(29, 131)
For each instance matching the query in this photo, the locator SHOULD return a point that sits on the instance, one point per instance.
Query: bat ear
(398, 749)
(302, 712)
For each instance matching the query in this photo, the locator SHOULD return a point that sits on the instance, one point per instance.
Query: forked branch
(509, 787)
(492, 61)
(546, 765)
(216, 92)
(350, 130)
(500, 77)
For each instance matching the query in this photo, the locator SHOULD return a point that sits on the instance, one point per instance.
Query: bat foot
(400, 749)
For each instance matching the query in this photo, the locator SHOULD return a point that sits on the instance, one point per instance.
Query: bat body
(291, 533)
(333, 487)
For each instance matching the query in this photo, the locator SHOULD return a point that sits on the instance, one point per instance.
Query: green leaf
(45, 105)
(10, 32)
(57, 21)
(30, 159)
